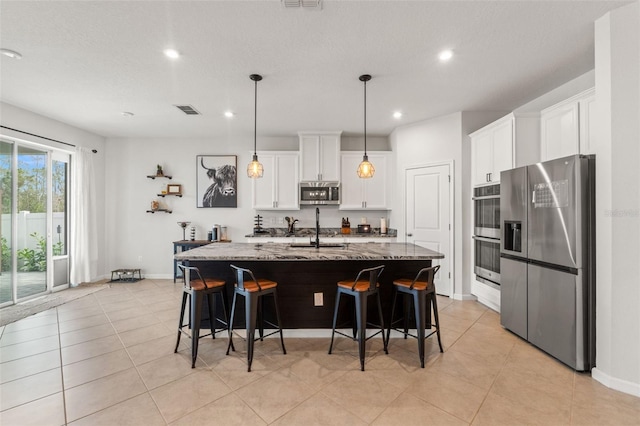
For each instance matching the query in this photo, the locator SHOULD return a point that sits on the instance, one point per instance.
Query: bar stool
(419, 290)
(360, 289)
(196, 289)
(253, 290)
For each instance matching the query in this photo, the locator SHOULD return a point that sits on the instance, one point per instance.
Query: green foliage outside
(6, 255)
(35, 260)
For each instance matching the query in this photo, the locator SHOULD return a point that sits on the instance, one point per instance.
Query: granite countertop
(324, 233)
(283, 251)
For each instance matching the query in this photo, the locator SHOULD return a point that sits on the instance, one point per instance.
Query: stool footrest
(414, 336)
(257, 338)
(355, 339)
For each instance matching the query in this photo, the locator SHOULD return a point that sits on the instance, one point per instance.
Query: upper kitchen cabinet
(320, 156)
(566, 127)
(278, 187)
(493, 148)
(371, 194)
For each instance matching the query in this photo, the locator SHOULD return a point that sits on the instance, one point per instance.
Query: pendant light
(365, 169)
(255, 169)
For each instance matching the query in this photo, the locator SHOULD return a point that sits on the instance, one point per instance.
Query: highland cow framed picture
(216, 181)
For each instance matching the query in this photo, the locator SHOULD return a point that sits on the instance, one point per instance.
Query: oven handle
(485, 197)
(486, 240)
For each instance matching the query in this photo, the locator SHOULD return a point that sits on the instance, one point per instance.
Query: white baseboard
(488, 296)
(615, 383)
(461, 296)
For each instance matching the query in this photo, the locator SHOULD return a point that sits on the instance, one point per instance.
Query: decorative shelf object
(159, 210)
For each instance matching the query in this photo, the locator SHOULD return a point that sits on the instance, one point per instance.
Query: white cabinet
(565, 128)
(320, 156)
(371, 194)
(492, 149)
(278, 187)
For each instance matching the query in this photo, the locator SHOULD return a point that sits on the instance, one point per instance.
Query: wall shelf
(159, 210)
(170, 195)
(159, 176)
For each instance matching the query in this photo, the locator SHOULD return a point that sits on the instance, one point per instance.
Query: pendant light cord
(365, 117)
(255, 117)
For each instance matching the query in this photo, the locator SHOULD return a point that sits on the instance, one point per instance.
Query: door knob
(409, 234)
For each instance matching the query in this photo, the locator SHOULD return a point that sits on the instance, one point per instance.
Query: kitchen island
(303, 272)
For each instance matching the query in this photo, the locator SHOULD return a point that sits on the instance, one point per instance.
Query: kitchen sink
(322, 245)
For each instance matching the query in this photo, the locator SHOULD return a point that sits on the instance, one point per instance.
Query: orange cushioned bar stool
(196, 287)
(253, 290)
(365, 285)
(422, 292)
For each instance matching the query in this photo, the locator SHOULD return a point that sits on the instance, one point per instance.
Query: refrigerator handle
(533, 197)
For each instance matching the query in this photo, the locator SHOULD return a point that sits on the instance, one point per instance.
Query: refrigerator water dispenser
(513, 236)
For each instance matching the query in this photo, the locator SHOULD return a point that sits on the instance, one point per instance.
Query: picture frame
(174, 189)
(216, 181)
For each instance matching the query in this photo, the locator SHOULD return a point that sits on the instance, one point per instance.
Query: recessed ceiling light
(397, 114)
(172, 53)
(445, 55)
(11, 53)
(127, 114)
(228, 114)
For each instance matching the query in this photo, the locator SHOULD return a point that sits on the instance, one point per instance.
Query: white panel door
(427, 217)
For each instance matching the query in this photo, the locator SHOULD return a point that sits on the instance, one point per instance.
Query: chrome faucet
(317, 227)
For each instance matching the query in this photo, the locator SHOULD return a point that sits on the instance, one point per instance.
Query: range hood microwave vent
(188, 109)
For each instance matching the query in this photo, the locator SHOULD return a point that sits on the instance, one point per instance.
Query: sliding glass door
(31, 242)
(6, 223)
(34, 221)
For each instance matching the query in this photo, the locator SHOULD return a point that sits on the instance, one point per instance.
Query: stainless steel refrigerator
(547, 257)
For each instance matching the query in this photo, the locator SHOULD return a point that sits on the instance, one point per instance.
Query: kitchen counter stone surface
(281, 251)
(324, 233)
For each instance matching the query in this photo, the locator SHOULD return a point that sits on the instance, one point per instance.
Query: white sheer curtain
(83, 229)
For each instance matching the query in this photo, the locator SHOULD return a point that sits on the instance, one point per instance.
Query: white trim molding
(615, 383)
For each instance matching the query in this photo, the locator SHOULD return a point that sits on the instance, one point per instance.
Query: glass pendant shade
(255, 169)
(365, 169)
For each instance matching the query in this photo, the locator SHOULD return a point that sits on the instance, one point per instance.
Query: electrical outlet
(318, 299)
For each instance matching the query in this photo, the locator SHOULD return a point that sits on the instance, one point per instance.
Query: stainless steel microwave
(319, 193)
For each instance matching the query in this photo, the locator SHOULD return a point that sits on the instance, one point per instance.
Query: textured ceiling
(84, 62)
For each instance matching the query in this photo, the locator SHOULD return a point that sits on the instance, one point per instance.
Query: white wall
(421, 144)
(617, 143)
(144, 240)
(439, 140)
(26, 121)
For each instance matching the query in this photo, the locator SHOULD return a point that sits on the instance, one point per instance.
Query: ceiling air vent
(307, 4)
(187, 109)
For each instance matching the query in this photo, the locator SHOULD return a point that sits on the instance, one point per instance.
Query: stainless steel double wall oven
(486, 200)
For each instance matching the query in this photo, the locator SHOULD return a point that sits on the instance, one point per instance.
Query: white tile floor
(107, 359)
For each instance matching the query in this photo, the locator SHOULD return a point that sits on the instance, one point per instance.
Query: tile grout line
(64, 393)
(506, 359)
